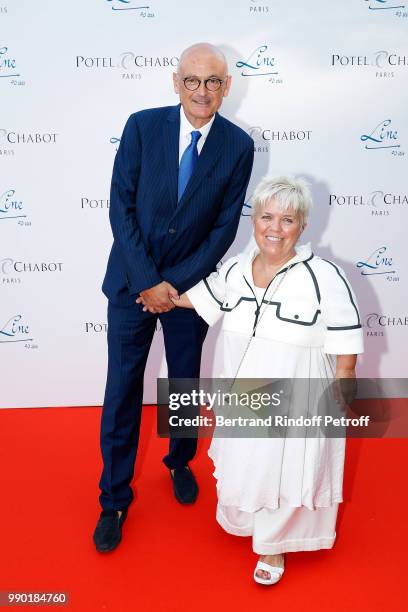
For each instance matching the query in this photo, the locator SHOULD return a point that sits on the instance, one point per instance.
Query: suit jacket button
(172, 230)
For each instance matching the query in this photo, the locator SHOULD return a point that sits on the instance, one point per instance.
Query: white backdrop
(320, 85)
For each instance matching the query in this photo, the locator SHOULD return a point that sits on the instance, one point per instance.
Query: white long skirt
(285, 529)
(283, 492)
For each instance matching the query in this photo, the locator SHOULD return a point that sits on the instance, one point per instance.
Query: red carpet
(174, 557)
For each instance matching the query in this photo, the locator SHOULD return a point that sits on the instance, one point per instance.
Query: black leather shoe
(108, 532)
(184, 485)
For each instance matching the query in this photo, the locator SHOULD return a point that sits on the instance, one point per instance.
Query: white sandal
(274, 572)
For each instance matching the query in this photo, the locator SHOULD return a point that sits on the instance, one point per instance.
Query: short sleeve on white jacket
(339, 310)
(208, 295)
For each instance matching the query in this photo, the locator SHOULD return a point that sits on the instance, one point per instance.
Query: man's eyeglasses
(212, 84)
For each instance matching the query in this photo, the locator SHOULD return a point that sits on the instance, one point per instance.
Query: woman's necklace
(265, 271)
(262, 310)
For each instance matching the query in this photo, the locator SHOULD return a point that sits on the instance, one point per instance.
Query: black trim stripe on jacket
(350, 296)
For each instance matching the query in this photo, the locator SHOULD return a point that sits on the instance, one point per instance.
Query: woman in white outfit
(287, 314)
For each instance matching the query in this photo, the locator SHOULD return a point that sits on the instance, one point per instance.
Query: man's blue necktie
(187, 163)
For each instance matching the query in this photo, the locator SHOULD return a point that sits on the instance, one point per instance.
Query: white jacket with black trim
(313, 305)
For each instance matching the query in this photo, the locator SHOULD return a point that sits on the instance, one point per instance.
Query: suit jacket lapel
(171, 134)
(207, 158)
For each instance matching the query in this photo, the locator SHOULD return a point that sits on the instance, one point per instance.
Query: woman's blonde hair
(290, 193)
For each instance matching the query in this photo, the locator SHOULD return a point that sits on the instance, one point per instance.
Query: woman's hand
(345, 385)
(183, 301)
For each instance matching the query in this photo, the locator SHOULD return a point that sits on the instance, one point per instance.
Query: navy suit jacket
(157, 238)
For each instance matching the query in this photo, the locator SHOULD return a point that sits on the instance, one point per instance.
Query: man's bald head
(202, 51)
(201, 64)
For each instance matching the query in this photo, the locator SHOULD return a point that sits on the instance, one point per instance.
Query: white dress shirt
(185, 133)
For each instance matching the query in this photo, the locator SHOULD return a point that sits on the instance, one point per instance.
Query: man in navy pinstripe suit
(178, 186)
